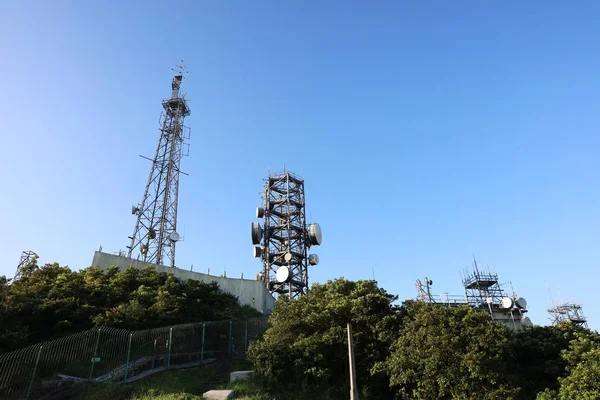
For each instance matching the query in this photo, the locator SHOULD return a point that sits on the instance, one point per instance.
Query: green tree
(450, 353)
(539, 360)
(305, 349)
(581, 377)
(51, 301)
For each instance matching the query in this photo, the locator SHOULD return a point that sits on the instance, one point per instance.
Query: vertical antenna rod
(155, 233)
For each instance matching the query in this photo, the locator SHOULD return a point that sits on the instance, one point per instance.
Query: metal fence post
(37, 361)
(230, 344)
(246, 337)
(95, 354)
(170, 342)
(202, 350)
(128, 354)
(154, 354)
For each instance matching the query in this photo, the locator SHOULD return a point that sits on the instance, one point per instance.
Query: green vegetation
(416, 351)
(52, 301)
(410, 351)
(187, 384)
(304, 353)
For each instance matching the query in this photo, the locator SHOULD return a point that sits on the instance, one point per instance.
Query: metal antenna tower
(286, 238)
(27, 258)
(569, 311)
(155, 234)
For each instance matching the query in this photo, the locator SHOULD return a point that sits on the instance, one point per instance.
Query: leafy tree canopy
(450, 353)
(305, 349)
(53, 301)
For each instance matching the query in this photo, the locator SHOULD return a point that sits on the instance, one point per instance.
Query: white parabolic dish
(282, 274)
(507, 302)
(314, 234)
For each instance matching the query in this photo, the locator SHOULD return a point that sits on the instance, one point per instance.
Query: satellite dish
(174, 237)
(134, 210)
(313, 259)
(257, 252)
(260, 212)
(256, 233)
(143, 249)
(314, 234)
(521, 303)
(283, 274)
(288, 257)
(507, 302)
(430, 282)
(152, 233)
(526, 322)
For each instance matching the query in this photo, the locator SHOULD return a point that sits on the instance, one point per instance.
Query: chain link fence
(110, 354)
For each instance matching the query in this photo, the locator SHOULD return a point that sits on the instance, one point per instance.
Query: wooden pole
(353, 389)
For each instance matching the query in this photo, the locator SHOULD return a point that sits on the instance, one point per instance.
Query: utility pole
(353, 388)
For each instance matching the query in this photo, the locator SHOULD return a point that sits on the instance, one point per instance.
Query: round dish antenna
(174, 237)
(288, 257)
(521, 303)
(257, 252)
(507, 302)
(314, 234)
(313, 259)
(260, 212)
(283, 274)
(526, 322)
(256, 233)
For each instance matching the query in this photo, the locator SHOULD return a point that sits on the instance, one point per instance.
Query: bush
(305, 352)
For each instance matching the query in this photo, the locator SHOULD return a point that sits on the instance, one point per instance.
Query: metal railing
(111, 354)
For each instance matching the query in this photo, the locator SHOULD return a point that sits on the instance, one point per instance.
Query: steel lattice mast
(286, 238)
(155, 234)
(27, 257)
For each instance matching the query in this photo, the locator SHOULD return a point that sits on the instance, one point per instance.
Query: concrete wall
(249, 292)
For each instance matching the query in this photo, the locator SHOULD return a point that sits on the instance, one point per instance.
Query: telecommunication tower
(569, 311)
(155, 233)
(284, 239)
(27, 257)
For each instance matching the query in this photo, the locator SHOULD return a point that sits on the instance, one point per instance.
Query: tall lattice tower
(155, 234)
(27, 257)
(285, 239)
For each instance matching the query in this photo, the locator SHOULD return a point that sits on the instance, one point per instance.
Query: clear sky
(426, 133)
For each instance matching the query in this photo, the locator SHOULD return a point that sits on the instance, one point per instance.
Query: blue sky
(425, 133)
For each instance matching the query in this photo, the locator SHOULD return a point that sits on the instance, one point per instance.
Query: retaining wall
(249, 292)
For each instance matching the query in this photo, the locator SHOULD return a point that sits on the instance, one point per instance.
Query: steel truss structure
(27, 257)
(155, 234)
(568, 312)
(286, 238)
(481, 289)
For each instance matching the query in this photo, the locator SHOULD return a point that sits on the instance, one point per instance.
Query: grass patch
(186, 384)
(248, 389)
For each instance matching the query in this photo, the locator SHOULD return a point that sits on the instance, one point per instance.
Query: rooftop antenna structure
(482, 290)
(568, 311)
(424, 291)
(284, 239)
(27, 257)
(155, 234)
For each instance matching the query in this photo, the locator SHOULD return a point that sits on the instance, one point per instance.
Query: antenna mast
(27, 257)
(284, 239)
(155, 233)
